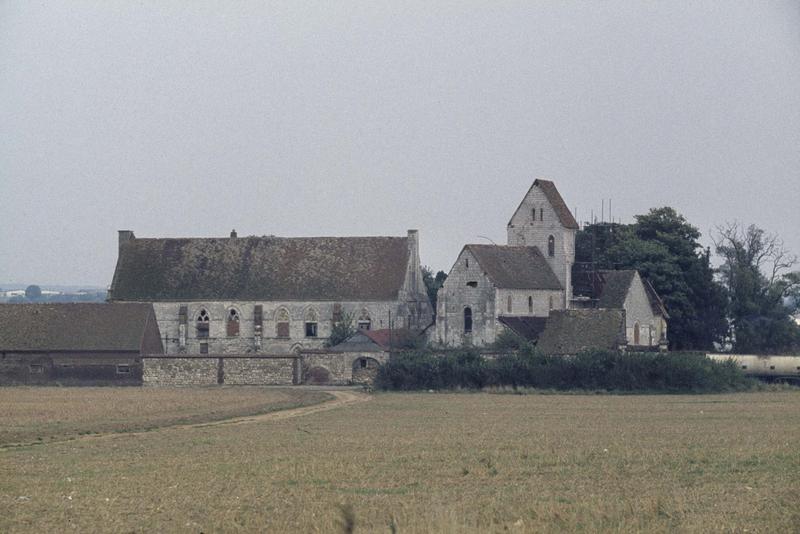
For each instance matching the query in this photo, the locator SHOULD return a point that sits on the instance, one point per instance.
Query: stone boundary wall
(215, 369)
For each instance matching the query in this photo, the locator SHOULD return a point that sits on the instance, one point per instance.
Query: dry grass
(433, 462)
(32, 414)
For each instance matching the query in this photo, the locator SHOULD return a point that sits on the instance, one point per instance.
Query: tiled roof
(529, 328)
(554, 197)
(74, 326)
(614, 288)
(571, 331)
(511, 267)
(550, 191)
(261, 268)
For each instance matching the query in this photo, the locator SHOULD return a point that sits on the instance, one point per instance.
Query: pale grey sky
(368, 118)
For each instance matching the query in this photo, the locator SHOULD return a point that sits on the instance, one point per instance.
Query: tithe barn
(277, 295)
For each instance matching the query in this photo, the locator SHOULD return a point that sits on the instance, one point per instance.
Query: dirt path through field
(340, 399)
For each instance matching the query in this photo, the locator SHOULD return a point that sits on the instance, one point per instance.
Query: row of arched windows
(282, 322)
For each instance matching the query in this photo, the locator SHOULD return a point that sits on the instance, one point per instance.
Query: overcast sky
(180, 119)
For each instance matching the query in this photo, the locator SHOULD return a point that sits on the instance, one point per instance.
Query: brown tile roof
(571, 331)
(74, 326)
(261, 268)
(529, 328)
(550, 191)
(515, 267)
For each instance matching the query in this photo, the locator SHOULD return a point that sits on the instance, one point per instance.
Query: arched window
(466, 262)
(203, 322)
(509, 304)
(311, 322)
(541, 214)
(530, 304)
(551, 246)
(232, 323)
(636, 333)
(467, 320)
(364, 320)
(282, 323)
(533, 213)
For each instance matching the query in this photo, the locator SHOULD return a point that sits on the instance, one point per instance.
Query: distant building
(76, 344)
(270, 294)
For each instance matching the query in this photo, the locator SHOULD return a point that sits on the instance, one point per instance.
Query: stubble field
(431, 463)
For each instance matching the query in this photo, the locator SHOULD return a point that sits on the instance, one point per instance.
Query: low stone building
(270, 295)
(645, 314)
(354, 361)
(76, 344)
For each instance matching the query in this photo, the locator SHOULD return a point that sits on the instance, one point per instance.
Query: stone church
(238, 295)
(522, 284)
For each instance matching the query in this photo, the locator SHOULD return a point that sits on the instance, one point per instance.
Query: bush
(588, 370)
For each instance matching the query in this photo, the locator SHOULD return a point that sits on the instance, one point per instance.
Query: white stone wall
(638, 310)
(167, 314)
(541, 300)
(455, 295)
(523, 230)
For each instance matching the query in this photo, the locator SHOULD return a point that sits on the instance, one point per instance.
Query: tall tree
(664, 248)
(757, 277)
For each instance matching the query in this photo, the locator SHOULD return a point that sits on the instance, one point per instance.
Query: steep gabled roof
(615, 287)
(261, 268)
(655, 301)
(550, 191)
(510, 267)
(571, 331)
(74, 326)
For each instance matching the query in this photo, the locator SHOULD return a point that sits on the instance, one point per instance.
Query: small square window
(744, 367)
(203, 348)
(36, 369)
(364, 325)
(123, 369)
(472, 284)
(311, 329)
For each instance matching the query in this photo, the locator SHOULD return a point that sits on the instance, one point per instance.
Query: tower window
(509, 304)
(530, 304)
(541, 214)
(467, 320)
(551, 246)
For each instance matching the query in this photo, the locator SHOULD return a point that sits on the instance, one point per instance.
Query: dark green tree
(433, 283)
(757, 278)
(664, 248)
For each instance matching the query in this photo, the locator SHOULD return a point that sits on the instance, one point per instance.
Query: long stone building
(239, 295)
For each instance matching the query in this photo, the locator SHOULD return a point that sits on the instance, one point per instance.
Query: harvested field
(31, 414)
(433, 462)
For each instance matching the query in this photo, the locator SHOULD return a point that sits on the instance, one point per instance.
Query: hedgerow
(588, 370)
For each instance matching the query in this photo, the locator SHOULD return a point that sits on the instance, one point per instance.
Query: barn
(76, 344)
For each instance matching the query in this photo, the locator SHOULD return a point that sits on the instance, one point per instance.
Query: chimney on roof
(125, 236)
(233, 233)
